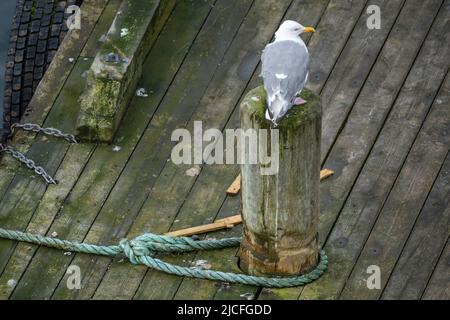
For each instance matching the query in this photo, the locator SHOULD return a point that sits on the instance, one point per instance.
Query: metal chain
(47, 131)
(28, 162)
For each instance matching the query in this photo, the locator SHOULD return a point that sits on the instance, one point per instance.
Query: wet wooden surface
(386, 134)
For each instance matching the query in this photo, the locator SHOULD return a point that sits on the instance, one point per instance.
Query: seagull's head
(291, 28)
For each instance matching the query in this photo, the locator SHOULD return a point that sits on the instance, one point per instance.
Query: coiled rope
(140, 250)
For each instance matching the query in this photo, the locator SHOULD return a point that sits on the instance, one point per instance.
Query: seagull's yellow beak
(309, 29)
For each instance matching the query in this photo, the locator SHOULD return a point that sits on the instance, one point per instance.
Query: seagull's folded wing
(285, 67)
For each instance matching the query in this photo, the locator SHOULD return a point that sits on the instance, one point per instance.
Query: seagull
(285, 65)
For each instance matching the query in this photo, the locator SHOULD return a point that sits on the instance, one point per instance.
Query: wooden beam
(280, 211)
(235, 187)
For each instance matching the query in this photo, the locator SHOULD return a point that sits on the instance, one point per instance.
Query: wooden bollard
(281, 211)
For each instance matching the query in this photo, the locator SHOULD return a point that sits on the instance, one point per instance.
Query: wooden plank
(226, 260)
(425, 244)
(110, 87)
(105, 165)
(375, 181)
(150, 157)
(235, 186)
(335, 27)
(405, 200)
(352, 69)
(438, 288)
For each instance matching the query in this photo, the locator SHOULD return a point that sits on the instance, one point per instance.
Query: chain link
(47, 131)
(28, 162)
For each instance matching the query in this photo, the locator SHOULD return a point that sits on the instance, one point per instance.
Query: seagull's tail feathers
(276, 110)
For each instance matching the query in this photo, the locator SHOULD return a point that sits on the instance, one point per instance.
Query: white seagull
(285, 65)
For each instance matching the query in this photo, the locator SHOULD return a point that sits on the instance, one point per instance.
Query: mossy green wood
(23, 195)
(412, 272)
(48, 90)
(142, 176)
(37, 208)
(49, 206)
(280, 210)
(437, 287)
(111, 84)
(104, 167)
(92, 190)
(101, 28)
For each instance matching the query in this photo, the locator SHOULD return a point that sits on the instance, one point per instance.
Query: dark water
(7, 12)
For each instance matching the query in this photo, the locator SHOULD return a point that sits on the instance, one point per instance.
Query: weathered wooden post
(281, 211)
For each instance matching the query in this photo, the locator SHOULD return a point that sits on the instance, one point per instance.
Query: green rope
(140, 251)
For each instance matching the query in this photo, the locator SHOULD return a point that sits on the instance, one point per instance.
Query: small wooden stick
(235, 187)
(229, 222)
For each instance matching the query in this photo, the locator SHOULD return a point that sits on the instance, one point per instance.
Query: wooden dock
(386, 135)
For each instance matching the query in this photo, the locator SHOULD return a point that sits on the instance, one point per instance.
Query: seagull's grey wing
(263, 56)
(284, 69)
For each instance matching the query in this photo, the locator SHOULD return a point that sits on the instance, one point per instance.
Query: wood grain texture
(377, 87)
(438, 287)
(408, 195)
(380, 170)
(418, 259)
(235, 187)
(43, 101)
(280, 208)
